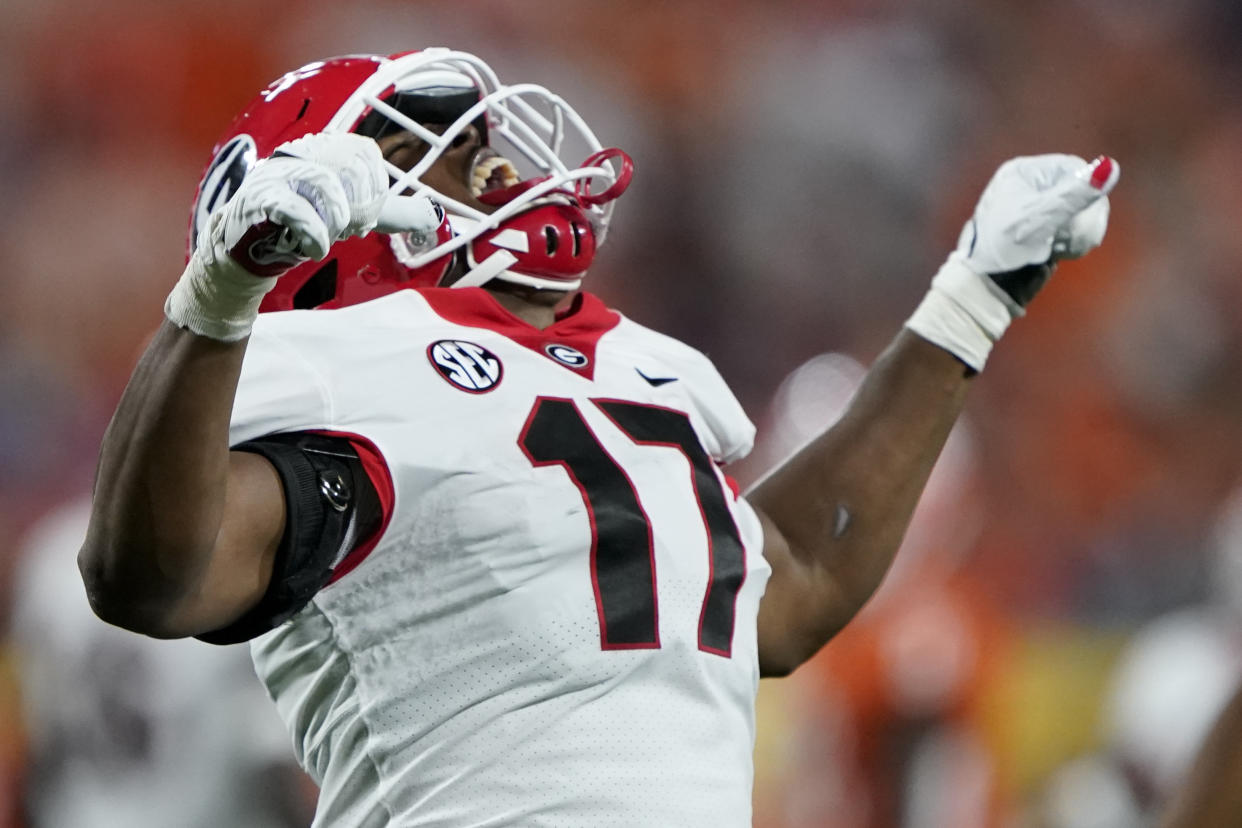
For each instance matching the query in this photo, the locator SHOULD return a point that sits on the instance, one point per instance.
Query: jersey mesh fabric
(459, 676)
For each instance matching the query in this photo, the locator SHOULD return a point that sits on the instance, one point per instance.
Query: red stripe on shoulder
(729, 480)
(376, 467)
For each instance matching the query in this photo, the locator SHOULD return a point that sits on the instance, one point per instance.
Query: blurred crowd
(1064, 619)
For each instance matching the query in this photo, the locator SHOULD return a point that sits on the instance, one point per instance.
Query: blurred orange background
(802, 168)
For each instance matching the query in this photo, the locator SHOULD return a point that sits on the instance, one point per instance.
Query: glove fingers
(1103, 173)
(405, 214)
(309, 234)
(364, 178)
(1038, 173)
(1054, 208)
(357, 164)
(313, 207)
(322, 189)
(312, 192)
(1057, 206)
(1084, 187)
(1082, 233)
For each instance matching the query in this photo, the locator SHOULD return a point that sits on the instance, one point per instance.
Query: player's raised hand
(1028, 203)
(357, 164)
(291, 207)
(312, 192)
(1035, 211)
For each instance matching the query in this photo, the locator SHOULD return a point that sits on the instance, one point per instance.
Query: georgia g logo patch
(223, 176)
(466, 365)
(566, 355)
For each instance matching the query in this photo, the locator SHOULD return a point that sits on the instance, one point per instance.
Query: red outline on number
(586, 500)
(707, 529)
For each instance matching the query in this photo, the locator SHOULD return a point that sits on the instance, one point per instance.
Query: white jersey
(129, 732)
(558, 624)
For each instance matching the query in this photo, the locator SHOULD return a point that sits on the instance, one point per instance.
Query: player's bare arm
(835, 513)
(183, 530)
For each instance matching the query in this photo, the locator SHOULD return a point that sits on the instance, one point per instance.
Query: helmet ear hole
(318, 289)
(549, 233)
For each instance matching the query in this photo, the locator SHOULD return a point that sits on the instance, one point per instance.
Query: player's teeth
(486, 168)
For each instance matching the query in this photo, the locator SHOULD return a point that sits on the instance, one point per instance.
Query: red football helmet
(546, 224)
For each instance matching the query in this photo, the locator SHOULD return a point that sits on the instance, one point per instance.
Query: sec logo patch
(466, 365)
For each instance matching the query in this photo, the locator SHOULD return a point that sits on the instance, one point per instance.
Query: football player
(124, 731)
(476, 524)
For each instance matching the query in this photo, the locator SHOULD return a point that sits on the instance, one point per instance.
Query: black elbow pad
(330, 507)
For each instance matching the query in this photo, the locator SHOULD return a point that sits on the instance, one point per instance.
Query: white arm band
(964, 313)
(221, 305)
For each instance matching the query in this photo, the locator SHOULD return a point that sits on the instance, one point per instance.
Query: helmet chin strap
(496, 266)
(487, 269)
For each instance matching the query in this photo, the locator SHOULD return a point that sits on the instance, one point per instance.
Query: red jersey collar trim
(579, 327)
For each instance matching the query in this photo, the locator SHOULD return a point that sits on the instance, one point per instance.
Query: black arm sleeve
(330, 506)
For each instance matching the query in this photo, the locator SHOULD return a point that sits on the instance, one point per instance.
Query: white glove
(1028, 202)
(358, 165)
(312, 192)
(1034, 211)
(1084, 233)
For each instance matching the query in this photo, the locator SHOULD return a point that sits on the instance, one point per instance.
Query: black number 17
(622, 553)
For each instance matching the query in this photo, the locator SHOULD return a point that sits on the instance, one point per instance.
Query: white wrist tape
(964, 312)
(218, 300)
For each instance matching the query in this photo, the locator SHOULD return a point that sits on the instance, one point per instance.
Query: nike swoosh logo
(656, 381)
